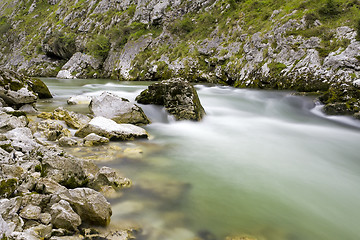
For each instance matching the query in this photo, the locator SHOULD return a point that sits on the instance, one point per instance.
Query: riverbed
(263, 163)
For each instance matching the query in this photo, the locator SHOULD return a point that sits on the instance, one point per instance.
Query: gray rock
(90, 205)
(40, 231)
(79, 66)
(63, 216)
(31, 212)
(4, 228)
(67, 142)
(177, 95)
(110, 129)
(45, 218)
(22, 139)
(92, 140)
(80, 99)
(109, 177)
(52, 129)
(49, 186)
(118, 109)
(28, 109)
(9, 122)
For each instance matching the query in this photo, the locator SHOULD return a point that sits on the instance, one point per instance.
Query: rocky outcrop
(178, 97)
(108, 128)
(17, 90)
(80, 65)
(118, 109)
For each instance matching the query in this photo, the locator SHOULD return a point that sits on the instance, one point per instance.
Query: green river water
(262, 163)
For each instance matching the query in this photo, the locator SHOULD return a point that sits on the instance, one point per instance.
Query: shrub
(182, 26)
(99, 47)
(4, 26)
(60, 45)
(331, 8)
(357, 27)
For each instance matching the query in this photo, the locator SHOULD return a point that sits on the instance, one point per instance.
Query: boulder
(63, 216)
(9, 122)
(92, 140)
(17, 90)
(118, 109)
(52, 129)
(39, 231)
(67, 142)
(89, 204)
(80, 65)
(109, 177)
(31, 212)
(178, 97)
(72, 119)
(22, 139)
(80, 99)
(112, 130)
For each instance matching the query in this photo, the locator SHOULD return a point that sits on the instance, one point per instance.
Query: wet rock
(52, 129)
(177, 95)
(72, 119)
(80, 99)
(30, 212)
(128, 207)
(118, 109)
(63, 216)
(67, 142)
(90, 205)
(109, 177)
(163, 188)
(93, 140)
(108, 128)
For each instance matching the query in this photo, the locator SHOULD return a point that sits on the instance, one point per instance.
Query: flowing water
(262, 163)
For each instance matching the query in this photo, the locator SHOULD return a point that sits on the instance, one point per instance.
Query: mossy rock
(8, 187)
(39, 87)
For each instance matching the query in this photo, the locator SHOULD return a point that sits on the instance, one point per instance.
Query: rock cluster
(178, 97)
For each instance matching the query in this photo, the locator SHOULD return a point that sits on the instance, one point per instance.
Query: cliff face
(306, 46)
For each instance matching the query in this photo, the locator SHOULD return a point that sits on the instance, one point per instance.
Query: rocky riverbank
(47, 193)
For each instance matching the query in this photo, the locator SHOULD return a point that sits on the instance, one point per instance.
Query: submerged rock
(112, 130)
(178, 97)
(117, 109)
(92, 140)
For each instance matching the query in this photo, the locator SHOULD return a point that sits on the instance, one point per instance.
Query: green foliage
(357, 27)
(330, 9)
(5, 26)
(61, 45)
(276, 67)
(99, 47)
(182, 26)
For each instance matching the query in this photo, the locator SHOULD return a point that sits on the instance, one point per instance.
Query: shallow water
(263, 163)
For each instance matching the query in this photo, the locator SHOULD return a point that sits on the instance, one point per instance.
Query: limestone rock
(92, 140)
(110, 129)
(22, 139)
(80, 99)
(80, 65)
(108, 176)
(17, 90)
(31, 212)
(48, 186)
(67, 142)
(52, 129)
(90, 205)
(63, 216)
(40, 231)
(177, 95)
(118, 109)
(9, 122)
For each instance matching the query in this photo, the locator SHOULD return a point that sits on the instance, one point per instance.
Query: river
(262, 163)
